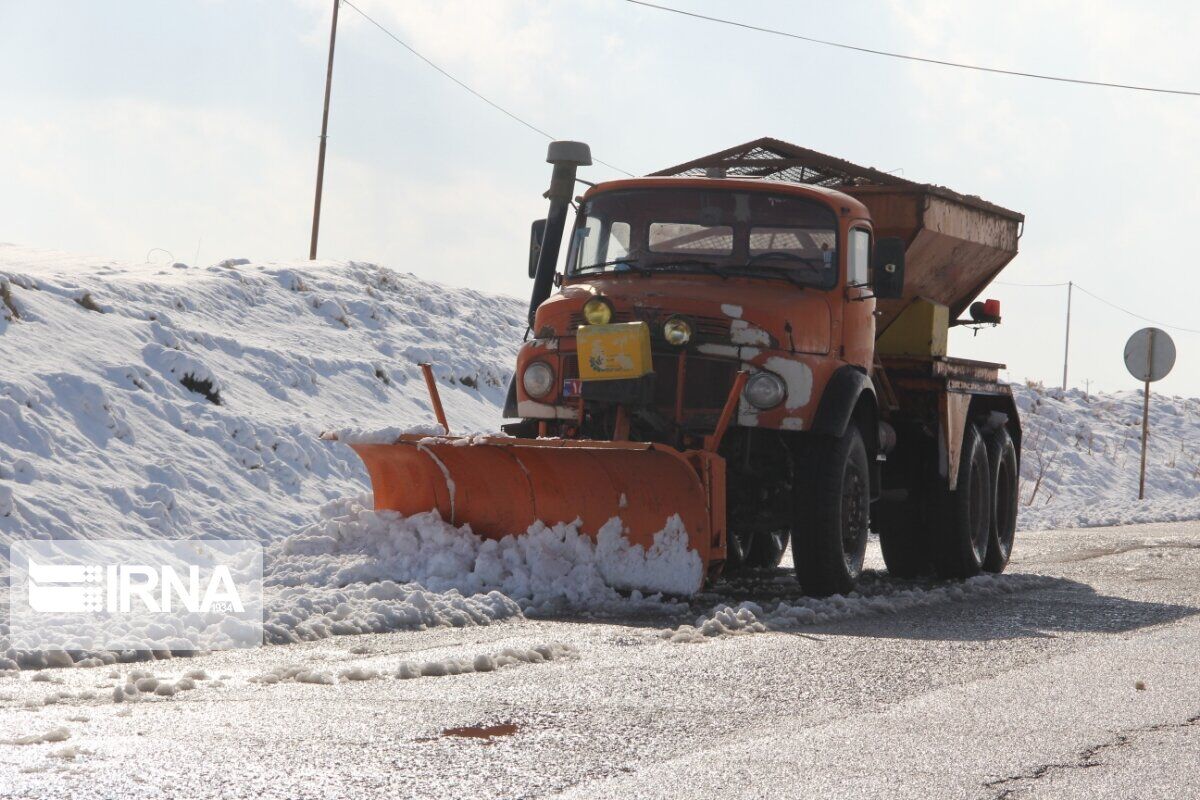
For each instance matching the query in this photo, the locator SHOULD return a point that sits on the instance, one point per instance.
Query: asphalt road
(1084, 685)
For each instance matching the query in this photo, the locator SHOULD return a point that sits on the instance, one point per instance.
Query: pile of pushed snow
(1080, 457)
(874, 597)
(544, 567)
(359, 571)
(183, 401)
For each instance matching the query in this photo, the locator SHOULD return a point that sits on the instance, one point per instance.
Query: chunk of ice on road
(748, 617)
(484, 662)
(294, 673)
(53, 735)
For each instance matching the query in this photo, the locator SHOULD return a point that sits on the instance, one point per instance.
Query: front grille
(706, 382)
(705, 329)
(576, 320)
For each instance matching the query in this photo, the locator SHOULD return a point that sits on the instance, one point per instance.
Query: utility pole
(1066, 346)
(316, 226)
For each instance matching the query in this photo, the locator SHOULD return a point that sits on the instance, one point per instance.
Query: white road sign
(1149, 354)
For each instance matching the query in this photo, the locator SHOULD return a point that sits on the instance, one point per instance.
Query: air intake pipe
(566, 157)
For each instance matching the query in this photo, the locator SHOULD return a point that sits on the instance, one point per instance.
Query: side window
(859, 257)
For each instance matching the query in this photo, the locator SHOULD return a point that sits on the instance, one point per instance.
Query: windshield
(717, 231)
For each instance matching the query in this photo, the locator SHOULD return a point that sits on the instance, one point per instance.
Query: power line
(1132, 314)
(446, 74)
(906, 57)
(1095, 296)
(1029, 285)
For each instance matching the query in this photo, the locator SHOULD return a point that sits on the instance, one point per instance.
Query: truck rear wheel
(902, 537)
(963, 517)
(1002, 459)
(833, 501)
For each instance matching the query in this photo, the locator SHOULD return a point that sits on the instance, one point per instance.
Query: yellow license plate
(612, 352)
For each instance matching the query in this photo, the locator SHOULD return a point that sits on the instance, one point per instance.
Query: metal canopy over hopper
(956, 244)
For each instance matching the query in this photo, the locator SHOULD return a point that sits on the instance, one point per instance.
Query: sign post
(1149, 356)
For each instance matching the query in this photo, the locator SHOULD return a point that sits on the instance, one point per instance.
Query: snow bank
(1079, 465)
(144, 401)
(876, 597)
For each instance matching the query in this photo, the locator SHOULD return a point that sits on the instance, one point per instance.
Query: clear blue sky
(193, 126)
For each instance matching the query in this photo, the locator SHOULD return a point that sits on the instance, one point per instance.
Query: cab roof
(839, 200)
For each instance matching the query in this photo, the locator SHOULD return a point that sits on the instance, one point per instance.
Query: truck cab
(726, 275)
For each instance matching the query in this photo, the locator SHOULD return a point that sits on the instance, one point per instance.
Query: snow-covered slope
(101, 436)
(1081, 454)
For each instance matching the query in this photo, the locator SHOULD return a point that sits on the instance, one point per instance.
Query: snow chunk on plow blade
(543, 566)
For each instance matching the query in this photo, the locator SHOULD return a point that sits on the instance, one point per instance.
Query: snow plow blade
(500, 486)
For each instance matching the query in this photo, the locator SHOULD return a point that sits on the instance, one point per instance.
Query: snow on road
(1086, 664)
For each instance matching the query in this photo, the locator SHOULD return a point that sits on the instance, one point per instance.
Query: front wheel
(833, 501)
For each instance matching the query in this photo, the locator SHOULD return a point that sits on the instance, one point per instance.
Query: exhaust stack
(566, 157)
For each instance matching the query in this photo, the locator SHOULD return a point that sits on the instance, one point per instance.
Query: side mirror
(887, 267)
(537, 232)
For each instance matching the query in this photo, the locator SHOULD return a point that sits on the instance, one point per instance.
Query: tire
(735, 555)
(1002, 462)
(766, 550)
(833, 502)
(902, 538)
(963, 517)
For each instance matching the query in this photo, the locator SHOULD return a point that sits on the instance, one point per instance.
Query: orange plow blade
(500, 486)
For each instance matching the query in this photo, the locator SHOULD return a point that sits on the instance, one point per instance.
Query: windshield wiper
(785, 272)
(816, 265)
(695, 262)
(626, 262)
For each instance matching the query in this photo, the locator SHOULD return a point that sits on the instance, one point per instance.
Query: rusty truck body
(756, 341)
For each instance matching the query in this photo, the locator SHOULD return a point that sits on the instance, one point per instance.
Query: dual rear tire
(962, 532)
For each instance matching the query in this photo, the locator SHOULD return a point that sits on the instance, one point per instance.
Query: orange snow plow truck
(754, 341)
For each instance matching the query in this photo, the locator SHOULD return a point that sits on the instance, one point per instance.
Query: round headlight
(597, 311)
(765, 390)
(677, 331)
(538, 379)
